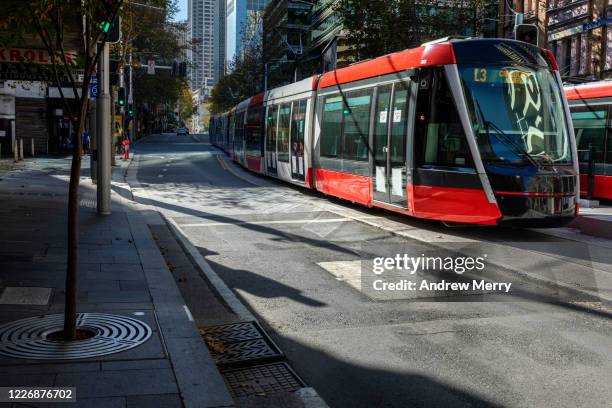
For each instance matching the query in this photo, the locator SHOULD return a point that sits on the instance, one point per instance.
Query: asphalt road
(290, 256)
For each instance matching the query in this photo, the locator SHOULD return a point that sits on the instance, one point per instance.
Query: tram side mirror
(527, 33)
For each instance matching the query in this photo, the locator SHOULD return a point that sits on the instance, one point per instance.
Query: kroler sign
(34, 56)
(33, 64)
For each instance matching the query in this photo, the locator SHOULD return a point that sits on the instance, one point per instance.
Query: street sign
(93, 87)
(151, 67)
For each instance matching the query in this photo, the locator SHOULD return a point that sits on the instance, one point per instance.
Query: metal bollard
(20, 149)
(591, 173)
(15, 151)
(32, 146)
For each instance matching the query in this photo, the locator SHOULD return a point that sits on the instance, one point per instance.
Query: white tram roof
(296, 88)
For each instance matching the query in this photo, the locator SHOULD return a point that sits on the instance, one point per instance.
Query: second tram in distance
(464, 131)
(591, 107)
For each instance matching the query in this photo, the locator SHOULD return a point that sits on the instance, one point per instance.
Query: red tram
(591, 108)
(465, 131)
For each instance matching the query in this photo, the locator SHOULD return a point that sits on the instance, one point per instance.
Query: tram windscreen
(517, 114)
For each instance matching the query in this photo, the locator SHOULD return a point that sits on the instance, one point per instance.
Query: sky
(182, 13)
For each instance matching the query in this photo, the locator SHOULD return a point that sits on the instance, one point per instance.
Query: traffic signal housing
(527, 33)
(121, 97)
(113, 28)
(183, 69)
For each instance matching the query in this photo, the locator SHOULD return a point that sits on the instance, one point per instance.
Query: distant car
(182, 131)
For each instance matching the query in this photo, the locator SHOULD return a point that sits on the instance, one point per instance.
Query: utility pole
(131, 100)
(103, 131)
(93, 136)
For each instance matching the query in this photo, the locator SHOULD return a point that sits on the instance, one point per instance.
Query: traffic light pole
(103, 133)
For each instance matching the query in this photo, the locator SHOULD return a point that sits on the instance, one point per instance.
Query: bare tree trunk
(70, 312)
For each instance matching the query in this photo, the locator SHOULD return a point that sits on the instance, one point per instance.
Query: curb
(307, 395)
(226, 293)
(198, 379)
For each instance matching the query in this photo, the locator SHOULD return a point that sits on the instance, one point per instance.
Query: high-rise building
(207, 35)
(239, 24)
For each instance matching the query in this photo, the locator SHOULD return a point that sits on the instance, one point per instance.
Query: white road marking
(346, 271)
(188, 313)
(160, 175)
(313, 221)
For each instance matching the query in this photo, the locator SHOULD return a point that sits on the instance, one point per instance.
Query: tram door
(390, 135)
(298, 127)
(271, 119)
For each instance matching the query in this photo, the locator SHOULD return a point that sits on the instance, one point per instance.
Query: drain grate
(262, 380)
(27, 338)
(239, 344)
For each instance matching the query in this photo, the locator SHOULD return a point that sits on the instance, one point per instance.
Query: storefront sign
(597, 23)
(30, 72)
(565, 33)
(34, 56)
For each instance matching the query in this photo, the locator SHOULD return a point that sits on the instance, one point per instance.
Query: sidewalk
(595, 221)
(122, 272)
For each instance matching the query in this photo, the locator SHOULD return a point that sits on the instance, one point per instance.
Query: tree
(246, 71)
(185, 101)
(379, 27)
(53, 23)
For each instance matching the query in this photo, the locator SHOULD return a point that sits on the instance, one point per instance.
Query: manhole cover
(262, 380)
(27, 338)
(239, 344)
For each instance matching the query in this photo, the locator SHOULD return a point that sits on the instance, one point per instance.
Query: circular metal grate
(27, 338)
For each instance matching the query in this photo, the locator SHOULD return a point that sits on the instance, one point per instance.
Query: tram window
(381, 125)
(298, 127)
(331, 126)
(239, 131)
(271, 128)
(440, 137)
(283, 132)
(253, 130)
(398, 123)
(590, 129)
(356, 125)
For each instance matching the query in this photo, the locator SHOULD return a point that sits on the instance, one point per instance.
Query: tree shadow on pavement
(260, 286)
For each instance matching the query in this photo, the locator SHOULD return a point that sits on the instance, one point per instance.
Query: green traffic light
(121, 102)
(346, 111)
(105, 26)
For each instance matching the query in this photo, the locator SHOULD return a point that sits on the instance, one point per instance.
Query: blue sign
(93, 87)
(597, 23)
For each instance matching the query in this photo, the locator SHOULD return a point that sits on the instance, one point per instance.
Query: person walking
(85, 141)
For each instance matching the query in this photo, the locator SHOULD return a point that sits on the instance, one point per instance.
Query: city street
(293, 257)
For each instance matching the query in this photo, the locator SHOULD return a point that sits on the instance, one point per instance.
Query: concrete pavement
(121, 272)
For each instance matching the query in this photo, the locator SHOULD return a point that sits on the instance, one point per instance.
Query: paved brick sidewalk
(121, 272)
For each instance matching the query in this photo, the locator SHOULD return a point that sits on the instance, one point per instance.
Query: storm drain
(28, 338)
(240, 344)
(262, 380)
